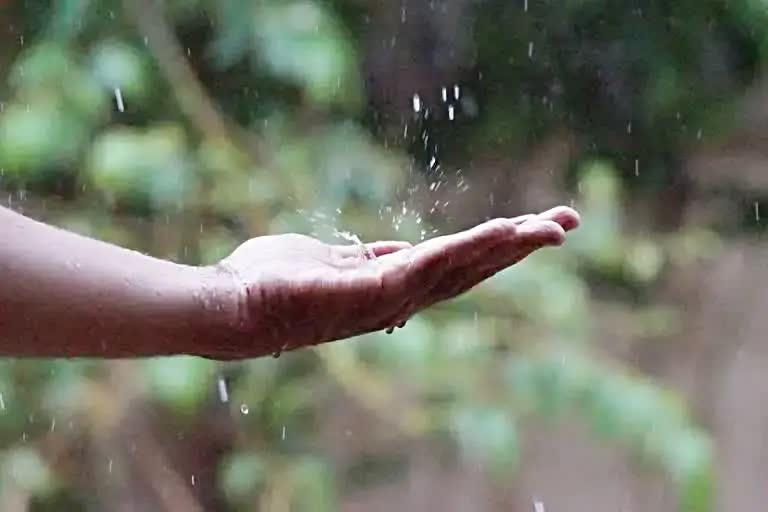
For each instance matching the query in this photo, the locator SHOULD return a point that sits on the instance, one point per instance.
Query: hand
(298, 291)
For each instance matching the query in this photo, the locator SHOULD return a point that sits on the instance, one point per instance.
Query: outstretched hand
(297, 291)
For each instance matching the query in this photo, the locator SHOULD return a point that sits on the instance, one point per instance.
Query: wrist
(222, 303)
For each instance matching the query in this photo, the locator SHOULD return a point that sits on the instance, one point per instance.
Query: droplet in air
(456, 91)
(119, 100)
(757, 211)
(109, 466)
(629, 127)
(530, 49)
(445, 94)
(244, 409)
(416, 103)
(525, 5)
(450, 112)
(2, 403)
(192, 478)
(282, 434)
(637, 167)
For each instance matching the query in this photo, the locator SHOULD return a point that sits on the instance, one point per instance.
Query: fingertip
(565, 216)
(543, 232)
(388, 247)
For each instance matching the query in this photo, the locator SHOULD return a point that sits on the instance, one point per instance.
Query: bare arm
(64, 295)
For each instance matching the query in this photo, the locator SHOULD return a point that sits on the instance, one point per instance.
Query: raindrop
(450, 112)
(757, 211)
(53, 424)
(525, 5)
(456, 92)
(403, 14)
(223, 393)
(109, 466)
(119, 100)
(445, 94)
(21, 40)
(192, 478)
(416, 103)
(244, 409)
(282, 434)
(637, 167)
(2, 403)
(629, 127)
(530, 49)
(538, 506)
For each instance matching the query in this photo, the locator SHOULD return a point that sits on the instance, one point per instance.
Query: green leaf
(241, 475)
(118, 65)
(488, 434)
(316, 489)
(28, 470)
(300, 41)
(182, 383)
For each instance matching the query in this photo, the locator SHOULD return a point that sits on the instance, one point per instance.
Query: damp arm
(66, 295)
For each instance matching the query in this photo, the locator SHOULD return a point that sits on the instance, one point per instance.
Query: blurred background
(623, 372)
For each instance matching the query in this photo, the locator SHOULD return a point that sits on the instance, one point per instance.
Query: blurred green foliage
(185, 130)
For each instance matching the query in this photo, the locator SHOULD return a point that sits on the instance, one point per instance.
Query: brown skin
(64, 295)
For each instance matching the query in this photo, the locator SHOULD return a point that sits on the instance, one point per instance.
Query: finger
(387, 247)
(461, 248)
(530, 237)
(567, 217)
(523, 218)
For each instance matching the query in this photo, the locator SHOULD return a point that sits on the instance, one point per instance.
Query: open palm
(300, 291)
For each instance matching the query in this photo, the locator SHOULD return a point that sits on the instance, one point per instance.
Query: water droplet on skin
(244, 409)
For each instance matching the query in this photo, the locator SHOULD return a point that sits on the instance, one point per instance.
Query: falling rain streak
(223, 393)
(119, 100)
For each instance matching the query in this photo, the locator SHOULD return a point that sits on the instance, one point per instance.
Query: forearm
(62, 294)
